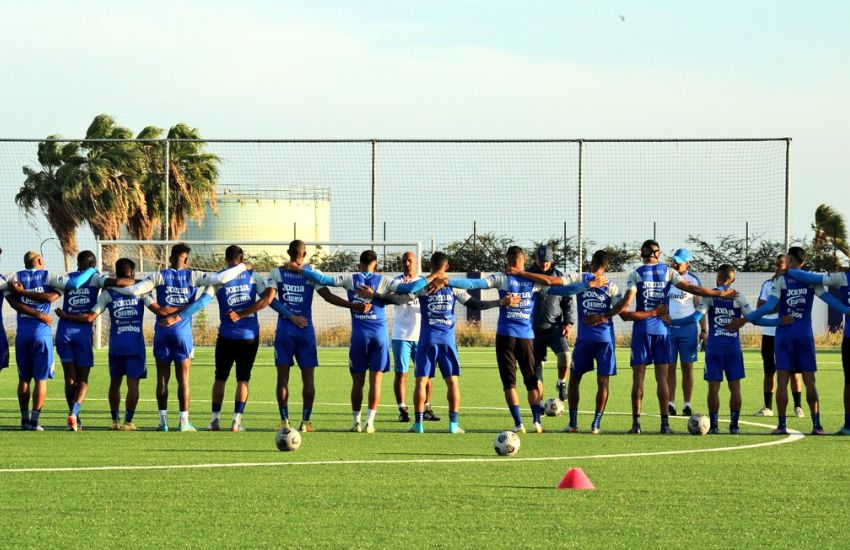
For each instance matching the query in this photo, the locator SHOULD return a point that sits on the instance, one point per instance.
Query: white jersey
(407, 319)
(681, 304)
(764, 294)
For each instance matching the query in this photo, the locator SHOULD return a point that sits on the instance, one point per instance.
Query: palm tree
(192, 179)
(830, 237)
(144, 218)
(44, 190)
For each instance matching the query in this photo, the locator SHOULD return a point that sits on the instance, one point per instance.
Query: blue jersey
(76, 302)
(841, 282)
(438, 315)
(374, 323)
(722, 311)
(296, 293)
(795, 299)
(237, 294)
(126, 313)
(651, 283)
(517, 321)
(596, 301)
(175, 289)
(35, 280)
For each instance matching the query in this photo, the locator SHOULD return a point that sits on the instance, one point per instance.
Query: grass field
(394, 489)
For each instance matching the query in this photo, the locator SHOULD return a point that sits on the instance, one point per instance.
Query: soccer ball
(506, 444)
(288, 439)
(699, 424)
(553, 407)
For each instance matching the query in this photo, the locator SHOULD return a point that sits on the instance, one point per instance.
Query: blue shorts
(444, 356)
(34, 354)
(719, 364)
(795, 354)
(172, 346)
(369, 353)
(290, 347)
(586, 352)
(684, 342)
(648, 349)
(131, 366)
(75, 347)
(403, 351)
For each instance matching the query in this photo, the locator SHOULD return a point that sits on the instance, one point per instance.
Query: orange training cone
(575, 478)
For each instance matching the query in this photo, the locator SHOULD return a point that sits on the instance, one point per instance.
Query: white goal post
(382, 248)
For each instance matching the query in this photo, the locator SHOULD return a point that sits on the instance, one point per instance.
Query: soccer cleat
(714, 431)
(79, 423)
(561, 388)
(518, 429)
(187, 427)
(799, 412)
(635, 429)
(734, 430)
(454, 428)
(370, 429)
(306, 427)
(403, 415)
(818, 431)
(72, 423)
(779, 431)
(665, 429)
(162, 428)
(570, 429)
(356, 428)
(236, 426)
(537, 428)
(430, 416)
(285, 424)
(594, 430)
(417, 428)
(36, 428)
(25, 425)
(764, 411)
(129, 427)
(671, 410)
(115, 426)
(843, 431)
(687, 411)
(215, 425)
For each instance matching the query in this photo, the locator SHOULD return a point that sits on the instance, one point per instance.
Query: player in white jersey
(684, 340)
(768, 357)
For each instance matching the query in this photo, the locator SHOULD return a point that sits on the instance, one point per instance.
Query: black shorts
(768, 357)
(512, 353)
(550, 338)
(241, 352)
(845, 359)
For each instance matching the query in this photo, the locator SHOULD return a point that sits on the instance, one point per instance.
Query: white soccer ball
(288, 439)
(699, 424)
(506, 444)
(553, 407)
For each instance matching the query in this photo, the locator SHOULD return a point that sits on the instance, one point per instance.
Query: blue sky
(444, 69)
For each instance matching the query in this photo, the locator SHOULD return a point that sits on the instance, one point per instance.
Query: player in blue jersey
(34, 339)
(723, 354)
(126, 342)
(795, 345)
(291, 295)
(649, 284)
(595, 341)
(841, 282)
(436, 345)
(174, 289)
(514, 333)
(684, 340)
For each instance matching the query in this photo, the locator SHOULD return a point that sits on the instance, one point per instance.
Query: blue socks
(665, 420)
(515, 414)
(419, 416)
(25, 416)
(216, 407)
(635, 420)
(816, 420)
(453, 417)
(305, 414)
(847, 421)
(284, 413)
(712, 416)
(735, 416)
(535, 413)
(597, 420)
(783, 423)
(128, 416)
(75, 410)
(573, 418)
(114, 413)
(238, 407)
(34, 417)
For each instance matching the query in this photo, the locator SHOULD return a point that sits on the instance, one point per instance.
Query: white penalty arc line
(792, 437)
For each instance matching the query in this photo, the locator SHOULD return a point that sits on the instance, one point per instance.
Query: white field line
(792, 436)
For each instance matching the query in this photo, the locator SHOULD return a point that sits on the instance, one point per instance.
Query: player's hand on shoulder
(16, 287)
(597, 282)
(729, 293)
(365, 291)
(248, 266)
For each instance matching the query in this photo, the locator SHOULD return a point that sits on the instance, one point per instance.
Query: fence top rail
(376, 140)
(260, 243)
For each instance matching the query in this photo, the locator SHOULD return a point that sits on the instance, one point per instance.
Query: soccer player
(723, 355)
(684, 340)
(175, 288)
(795, 343)
(238, 333)
(126, 342)
(437, 347)
(767, 352)
(553, 319)
(514, 333)
(595, 341)
(841, 282)
(650, 344)
(370, 346)
(295, 335)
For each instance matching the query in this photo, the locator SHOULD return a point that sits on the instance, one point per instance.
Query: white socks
(184, 418)
(163, 417)
(370, 416)
(355, 415)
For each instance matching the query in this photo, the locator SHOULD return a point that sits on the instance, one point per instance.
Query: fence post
(374, 192)
(98, 324)
(787, 193)
(580, 259)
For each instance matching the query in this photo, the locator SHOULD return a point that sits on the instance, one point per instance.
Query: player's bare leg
(813, 401)
(282, 392)
(375, 379)
(453, 398)
(114, 397)
(638, 375)
(163, 377)
(782, 378)
(420, 392)
(358, 380)
(39, 395)
(796, 394)
(131, 403)
(735, 403)
(69, 370)
(400, 388)
(564, 360)
(429, 414)
(181, 373)
(663, 395)
(217, 397)
(573, 399)
(24, 402)
(602, 383)
(713, 402)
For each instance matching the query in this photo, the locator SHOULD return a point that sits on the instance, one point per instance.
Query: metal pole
(580, 259)
(98, 324)
(294, 230)
(565, 249)
(654, 233)
(474, 235)
(167, 216)
(385, 246)
(747, 246)
(787, 193)
(374, 186)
